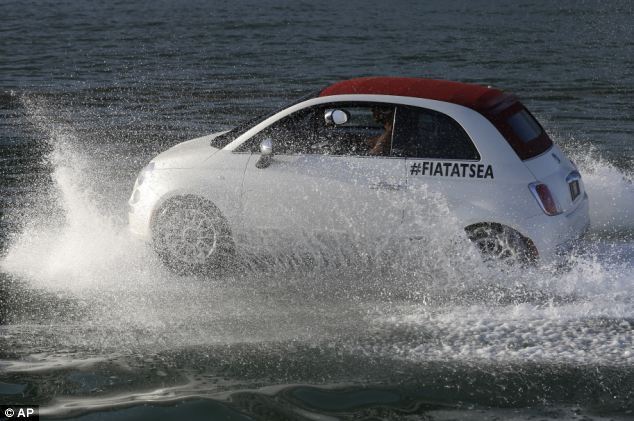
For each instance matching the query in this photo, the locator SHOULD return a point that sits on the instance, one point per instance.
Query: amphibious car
(353, 158)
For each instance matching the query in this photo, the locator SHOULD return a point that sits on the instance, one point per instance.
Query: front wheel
(500, 243)
(191, 236)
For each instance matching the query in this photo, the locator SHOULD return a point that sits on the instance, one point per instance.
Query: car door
(444, 169)
(321, 182)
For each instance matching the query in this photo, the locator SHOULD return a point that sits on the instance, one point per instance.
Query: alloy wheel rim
(191, 236)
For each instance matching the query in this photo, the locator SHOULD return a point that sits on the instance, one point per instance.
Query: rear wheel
(497, 242)
(191, 236)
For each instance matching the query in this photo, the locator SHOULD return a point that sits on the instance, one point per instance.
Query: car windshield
(226, 138)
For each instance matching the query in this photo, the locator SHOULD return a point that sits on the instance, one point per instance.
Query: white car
(352, 158)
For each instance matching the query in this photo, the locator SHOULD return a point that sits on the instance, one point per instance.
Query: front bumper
(140, 208)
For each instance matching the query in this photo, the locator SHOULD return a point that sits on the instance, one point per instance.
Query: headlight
(135, 197)
(144, 173)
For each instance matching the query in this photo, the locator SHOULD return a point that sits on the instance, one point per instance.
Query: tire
(191, 236)
(497, 242)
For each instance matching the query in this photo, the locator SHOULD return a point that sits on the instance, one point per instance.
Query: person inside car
(380, 145)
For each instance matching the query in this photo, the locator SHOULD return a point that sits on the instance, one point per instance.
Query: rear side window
(520, 129)
(423, 133)
(525, 126)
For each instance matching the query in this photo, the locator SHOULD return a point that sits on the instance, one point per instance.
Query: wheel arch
(530, 245)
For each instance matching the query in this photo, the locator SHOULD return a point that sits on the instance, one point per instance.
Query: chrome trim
(573, 176)
(266, 147)
(533, 188)
(336, 117)
(392, 134)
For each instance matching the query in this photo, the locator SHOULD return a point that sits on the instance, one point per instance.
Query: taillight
(545, 198)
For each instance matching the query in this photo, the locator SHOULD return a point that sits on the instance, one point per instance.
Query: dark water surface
(92, 327)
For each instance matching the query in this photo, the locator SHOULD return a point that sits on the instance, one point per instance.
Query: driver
(380, 145)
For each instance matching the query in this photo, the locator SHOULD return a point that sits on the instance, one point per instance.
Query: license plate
(574, 189)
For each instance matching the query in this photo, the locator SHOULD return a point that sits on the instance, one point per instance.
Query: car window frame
(323, 106)
(455, 121)
(470, 120)
(363, 103)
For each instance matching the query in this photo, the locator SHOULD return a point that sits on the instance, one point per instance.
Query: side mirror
(266, 153)
(266, 147)
(336, 117)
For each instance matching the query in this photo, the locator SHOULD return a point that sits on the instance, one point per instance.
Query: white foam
(610, 190)
(436, 289)
(69, 242)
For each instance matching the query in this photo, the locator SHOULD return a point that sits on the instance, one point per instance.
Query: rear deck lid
(534, 147)
(560, 174)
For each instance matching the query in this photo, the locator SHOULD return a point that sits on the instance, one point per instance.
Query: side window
(367, 132)
(293, 134)
(525, 126)
(423, 133)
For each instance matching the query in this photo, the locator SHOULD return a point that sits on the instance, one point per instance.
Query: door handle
(382, 185)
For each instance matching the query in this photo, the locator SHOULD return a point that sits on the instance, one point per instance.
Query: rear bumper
(555, 236)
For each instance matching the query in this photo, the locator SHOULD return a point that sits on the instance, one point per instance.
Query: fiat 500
(352, 158)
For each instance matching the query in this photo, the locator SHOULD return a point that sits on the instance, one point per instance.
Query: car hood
(188, 154)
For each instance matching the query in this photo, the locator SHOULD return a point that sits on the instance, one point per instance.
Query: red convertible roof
(473, 96)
